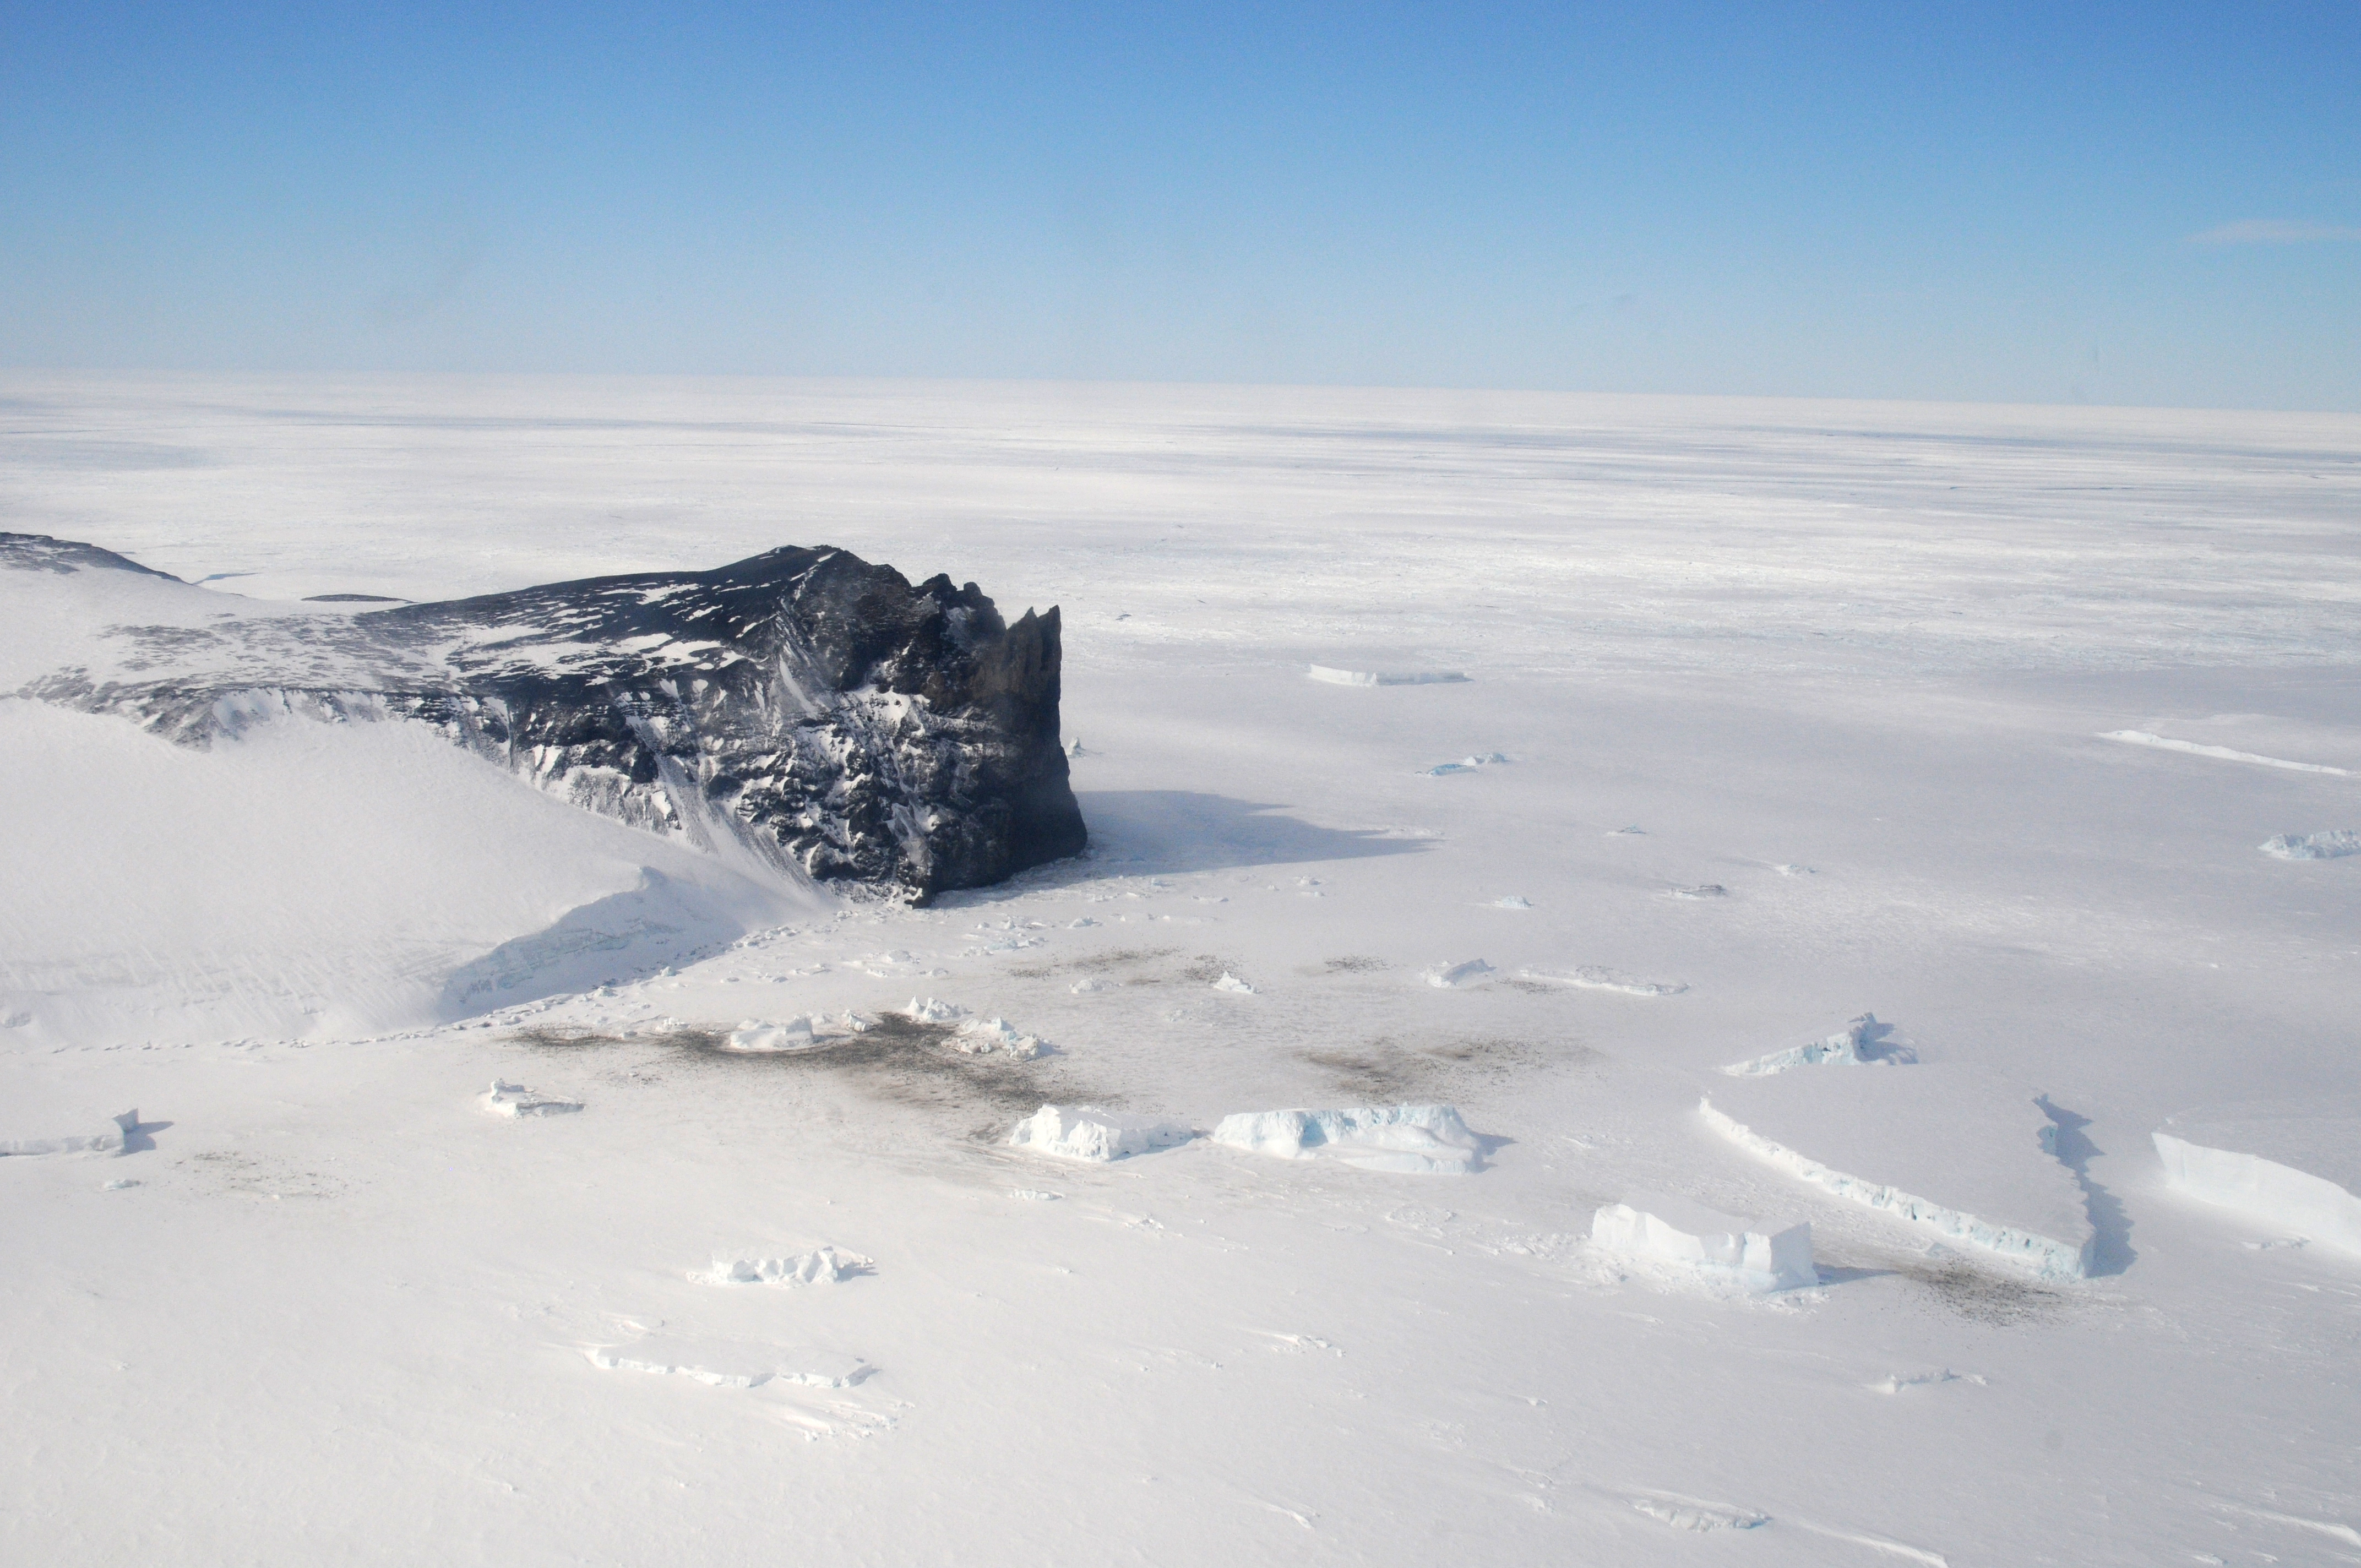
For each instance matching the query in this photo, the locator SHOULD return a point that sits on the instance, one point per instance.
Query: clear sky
(2147, 204)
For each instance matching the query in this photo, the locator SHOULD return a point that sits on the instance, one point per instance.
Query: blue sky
(2143, 205)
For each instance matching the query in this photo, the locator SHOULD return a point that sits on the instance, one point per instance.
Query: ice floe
(1233, 983)
(2292, 1165)
(1962, 1155)
(1415, 1139)
(1086, 1132)
(2332, 845)
(1668, 1229)
(1452, 977)
(1334, 677)
(815, 1265)
(110, 1140)
(505, 1099)
(1589, 977)
(1861, 1043)
(732, 1364)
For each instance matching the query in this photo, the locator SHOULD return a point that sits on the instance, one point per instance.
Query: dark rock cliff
(804, 702)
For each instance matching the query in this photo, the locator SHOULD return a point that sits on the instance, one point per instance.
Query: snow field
(731, 1364)
(1775, 634)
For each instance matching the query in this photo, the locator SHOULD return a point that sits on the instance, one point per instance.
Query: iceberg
(1758, 1256)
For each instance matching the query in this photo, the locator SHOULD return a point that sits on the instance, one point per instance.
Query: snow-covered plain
(1854, 666)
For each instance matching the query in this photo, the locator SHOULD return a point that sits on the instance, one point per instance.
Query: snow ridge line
(2050, 1258)
(2163, 743)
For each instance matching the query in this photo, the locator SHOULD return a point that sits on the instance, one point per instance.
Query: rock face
(806, 703)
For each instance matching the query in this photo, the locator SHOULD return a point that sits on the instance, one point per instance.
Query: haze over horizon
(2149, 205)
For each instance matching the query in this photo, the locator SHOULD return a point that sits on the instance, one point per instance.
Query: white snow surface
(318, 1298)
(1416, 1140)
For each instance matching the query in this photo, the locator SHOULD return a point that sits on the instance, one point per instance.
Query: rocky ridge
(804, 703)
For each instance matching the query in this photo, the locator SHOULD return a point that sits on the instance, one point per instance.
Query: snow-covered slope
(1852, 665)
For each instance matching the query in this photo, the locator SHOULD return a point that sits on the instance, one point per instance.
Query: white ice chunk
(110, 1141)
(732, 1364)
(1961, 1154)
(1085, 1131)
(817, 1266)
(1676, 1230)
(933, 1012)
(515, 1100)
(2292, 1165)
(1861, 1044)
(1422, 1140)
(2332, 845)
(753, 1034)
(1232, 983)
(1449, 977)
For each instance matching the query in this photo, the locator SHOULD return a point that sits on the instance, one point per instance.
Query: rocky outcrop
(804, 703)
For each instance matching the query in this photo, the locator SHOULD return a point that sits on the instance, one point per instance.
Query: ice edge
(2051, 1259)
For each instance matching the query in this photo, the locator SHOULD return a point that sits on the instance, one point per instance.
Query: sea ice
(1676, 1230)
(817, 1266)
(108, 1142)
(1416, 1139)
(1085, 1131)
(1957, 1152)
(515, 1100)
(2334, 844)
(1860, 1044)
(2292, 1165)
